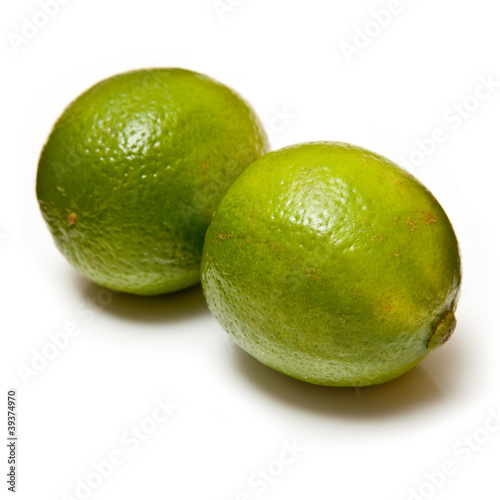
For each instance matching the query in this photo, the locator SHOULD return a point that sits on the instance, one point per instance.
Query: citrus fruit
(133, 170)
(333, 265)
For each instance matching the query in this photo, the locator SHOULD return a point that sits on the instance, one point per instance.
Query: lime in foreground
(333, 265)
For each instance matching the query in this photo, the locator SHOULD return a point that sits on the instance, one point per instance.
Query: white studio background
(417, 81)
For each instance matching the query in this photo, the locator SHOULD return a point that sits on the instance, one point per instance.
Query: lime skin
(133, 170)
(331, 264)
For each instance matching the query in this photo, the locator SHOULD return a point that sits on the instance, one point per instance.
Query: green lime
(333, 265)
(134, 169)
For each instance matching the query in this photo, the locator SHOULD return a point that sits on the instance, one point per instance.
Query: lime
(333, 265)
(134, 169)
